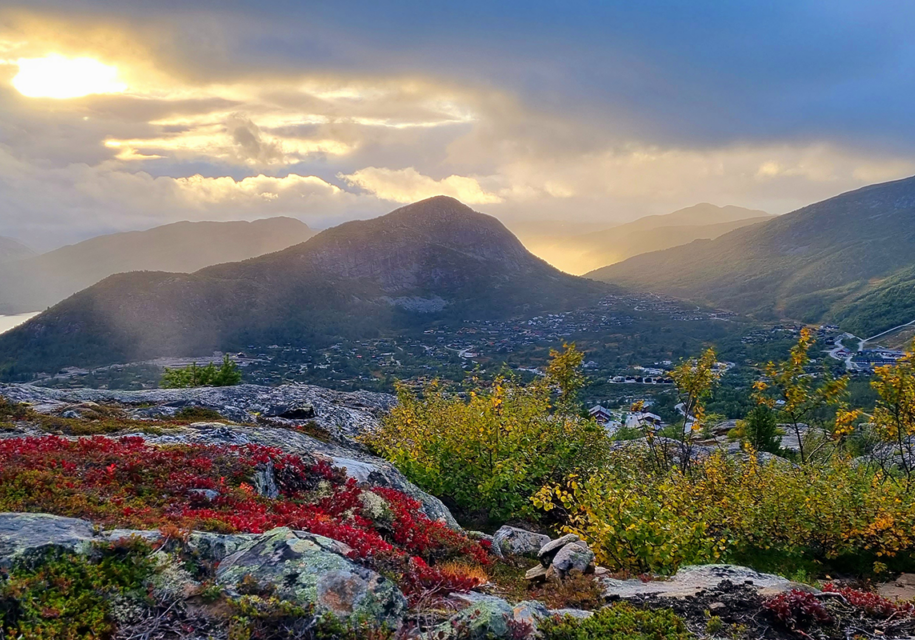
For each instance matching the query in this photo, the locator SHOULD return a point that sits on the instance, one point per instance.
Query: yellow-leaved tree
(894, 414)
(801, 399)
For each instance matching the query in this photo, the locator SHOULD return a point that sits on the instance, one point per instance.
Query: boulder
(537, 573)
(28, 536)
(573, 558)
(511, 541)
(550, 549)
(578, 614)
(313, 570)
(693, 580)
(487, 617)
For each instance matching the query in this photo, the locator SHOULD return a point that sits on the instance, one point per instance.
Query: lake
(8, 322)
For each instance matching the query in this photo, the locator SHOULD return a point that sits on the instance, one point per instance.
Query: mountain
(433, 260)
(36, 283)
(849, 258)
(583, 252)
(13, 250)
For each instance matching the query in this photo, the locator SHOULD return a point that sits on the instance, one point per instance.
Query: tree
(760, 430)
(227, 375)
(798, 397)
(894, 414)
(694, 380)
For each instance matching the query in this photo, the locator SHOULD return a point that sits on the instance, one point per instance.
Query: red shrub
(871, 603)
(798, 609)
(128, 483)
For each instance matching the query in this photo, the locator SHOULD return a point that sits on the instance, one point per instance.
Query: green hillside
(847, 259)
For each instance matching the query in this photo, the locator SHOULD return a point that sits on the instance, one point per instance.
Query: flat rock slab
(693, 580)
(27, 535)
(343, 414)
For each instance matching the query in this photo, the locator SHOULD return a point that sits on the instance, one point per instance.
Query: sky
(126, 115)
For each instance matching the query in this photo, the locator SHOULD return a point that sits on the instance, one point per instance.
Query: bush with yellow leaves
(637, 519)
(494, 449)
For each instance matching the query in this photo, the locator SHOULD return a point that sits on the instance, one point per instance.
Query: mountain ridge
(811, 264)
(582, 253)
(11, 250)
(424, 262)
(41, 281)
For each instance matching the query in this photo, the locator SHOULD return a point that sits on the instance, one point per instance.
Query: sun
(56, 76)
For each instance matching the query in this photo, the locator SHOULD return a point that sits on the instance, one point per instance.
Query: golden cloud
(408, 185)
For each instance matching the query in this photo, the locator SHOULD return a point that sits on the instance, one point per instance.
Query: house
(638, 419)
(601, 414)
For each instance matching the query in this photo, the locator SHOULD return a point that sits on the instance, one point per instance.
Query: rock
(312, 570)
(302, 411)
(601, 571)
(265, 481)
(487, 617)
(550, 549)
(478, 535)
(209, 547)
(28, 536)
(206, 494)
(345, 415)
(573, 558)
(901, 589)
(906, 580)
(511, 541)
(692, 580)
(536, 574)
(578, 614)
(529, 612)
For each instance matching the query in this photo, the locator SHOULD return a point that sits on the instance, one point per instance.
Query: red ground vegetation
(128, 483)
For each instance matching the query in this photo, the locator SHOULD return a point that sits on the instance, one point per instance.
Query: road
(834, 352)
(883, 333)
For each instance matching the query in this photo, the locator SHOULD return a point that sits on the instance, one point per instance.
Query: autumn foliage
(128, 483)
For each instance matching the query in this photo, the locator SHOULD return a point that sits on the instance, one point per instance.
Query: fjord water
(10, 322)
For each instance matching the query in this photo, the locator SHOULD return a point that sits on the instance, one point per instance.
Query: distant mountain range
(580, 253)
(433, 260)
(37, 282)
(13, 250)
(848, 259)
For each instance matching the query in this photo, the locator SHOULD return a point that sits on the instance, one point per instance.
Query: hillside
(13, 250)
(848, 259)
(583, 252)
(41, 281)
(436, 259)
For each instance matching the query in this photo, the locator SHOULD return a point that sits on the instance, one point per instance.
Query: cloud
(408, 185)
(603, 113)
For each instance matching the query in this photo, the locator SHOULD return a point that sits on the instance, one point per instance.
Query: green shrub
(226, 375)
(621, 621)
(71, 596)
(760, 430)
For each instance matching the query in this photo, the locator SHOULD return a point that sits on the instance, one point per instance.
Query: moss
(197, 414)
(73, 596)
(619, 622)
